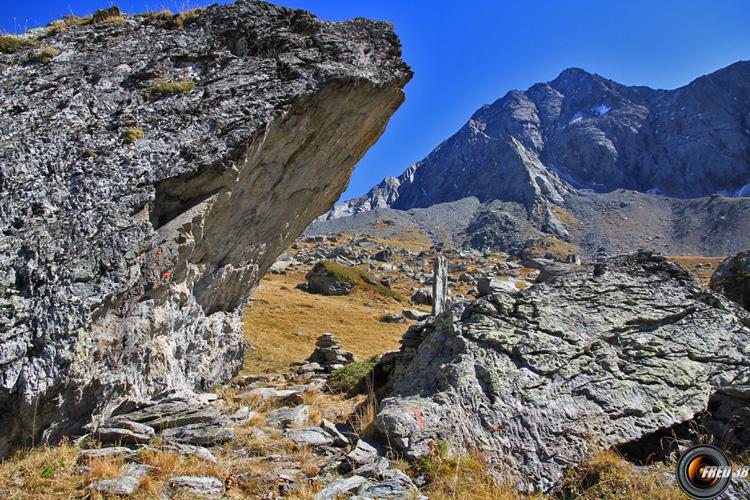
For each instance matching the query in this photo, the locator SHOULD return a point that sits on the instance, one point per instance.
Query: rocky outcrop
(611, 356)
(152, 173)
(732, 278)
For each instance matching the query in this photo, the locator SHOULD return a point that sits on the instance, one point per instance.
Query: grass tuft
(67, 22)
(348, 376)
(133, 134)
(461, 476)
(185, 18)
(10, 44)
(607, 475)
(165, 88)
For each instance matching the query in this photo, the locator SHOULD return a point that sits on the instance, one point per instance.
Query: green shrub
(10, 44)
(133, 134)
(348, 376)
(164, 88)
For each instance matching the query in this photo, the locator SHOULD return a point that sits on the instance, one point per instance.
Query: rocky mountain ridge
(558, 143)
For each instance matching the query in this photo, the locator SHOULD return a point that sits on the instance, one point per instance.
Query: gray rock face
(531, 378)
(732, 278)
(136, 221)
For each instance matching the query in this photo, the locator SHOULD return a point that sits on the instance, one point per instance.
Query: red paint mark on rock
(420, 420)
(166, 274)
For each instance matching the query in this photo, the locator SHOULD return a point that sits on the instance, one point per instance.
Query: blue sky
(465, 54)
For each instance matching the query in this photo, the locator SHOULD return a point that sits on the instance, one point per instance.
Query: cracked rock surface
(136, 222)
(535, 378)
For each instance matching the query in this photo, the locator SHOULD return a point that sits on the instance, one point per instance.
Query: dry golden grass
(66, 23)
(41, 473)
(409, 239)
(606, 475)
(10, 44)
(522, 284)
(550, 245)
(568, 219)
(700, 267)
(184, 18)
(465, 477)
(169, 464)
(279, 311)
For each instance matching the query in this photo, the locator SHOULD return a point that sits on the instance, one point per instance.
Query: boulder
(85, 456)
(136, 221)
(732, 278)
(126, 484)
(201, 486)
(323, 281)
(527, 379)
(203, 434)
(385, 255)
(486, 286)
(125, 432)
(286, 417)
(388, 489)
(422, 297)
(340, 488)
(309, 436)
(362, 454)
(416, 314)
(393, 318)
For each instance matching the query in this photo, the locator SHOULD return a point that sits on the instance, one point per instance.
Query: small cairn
(328, 354)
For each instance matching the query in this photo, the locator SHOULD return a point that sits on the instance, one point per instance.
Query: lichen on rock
(537, 380)
(124, 272)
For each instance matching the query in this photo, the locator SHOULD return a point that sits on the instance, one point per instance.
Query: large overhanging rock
(603, 356)
(126, 260)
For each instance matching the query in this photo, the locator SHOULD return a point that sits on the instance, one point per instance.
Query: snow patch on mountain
(602, 109)
(576, 118)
